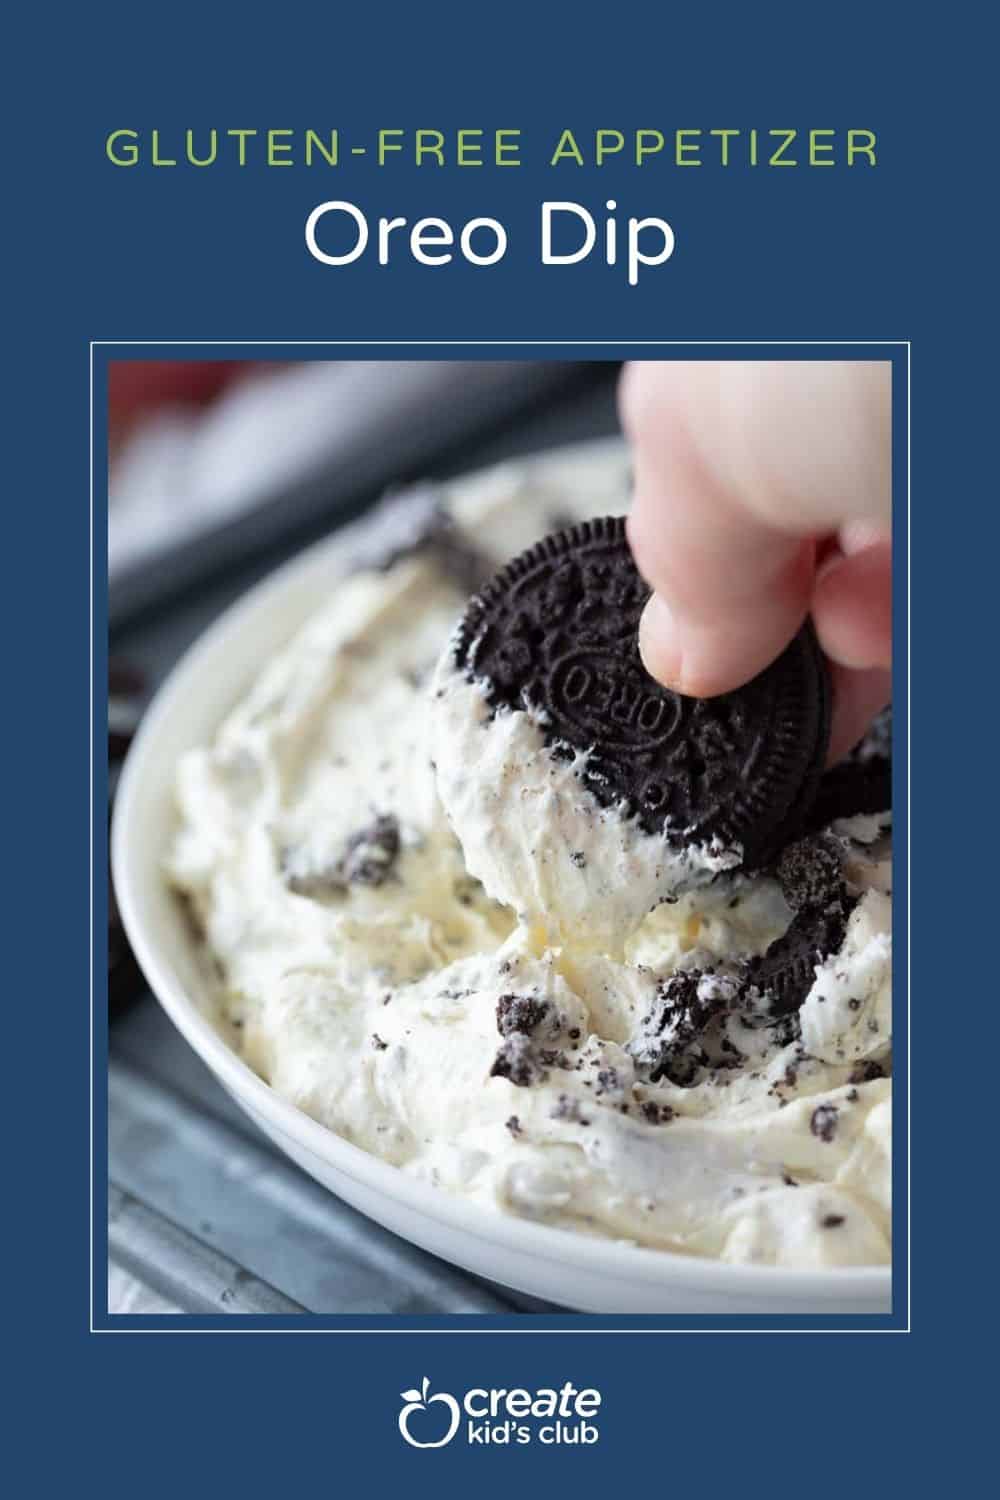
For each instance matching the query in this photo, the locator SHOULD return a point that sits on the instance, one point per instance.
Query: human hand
(763, 494)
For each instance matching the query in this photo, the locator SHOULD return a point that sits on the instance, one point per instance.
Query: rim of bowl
(616, 1258)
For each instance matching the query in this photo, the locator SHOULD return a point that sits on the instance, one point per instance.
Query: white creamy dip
(576, 873)
(366, 973)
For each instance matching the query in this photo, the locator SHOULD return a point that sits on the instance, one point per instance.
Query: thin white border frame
(515, 344)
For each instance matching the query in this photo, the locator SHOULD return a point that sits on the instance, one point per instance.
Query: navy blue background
(100, 253)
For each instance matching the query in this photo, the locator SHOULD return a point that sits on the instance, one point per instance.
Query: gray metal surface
(205, 1214)
(180, 1268)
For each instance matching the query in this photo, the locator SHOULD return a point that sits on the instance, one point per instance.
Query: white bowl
(593, 1275)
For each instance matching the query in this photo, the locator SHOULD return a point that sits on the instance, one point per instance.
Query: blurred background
(218, 472)
(216, 464)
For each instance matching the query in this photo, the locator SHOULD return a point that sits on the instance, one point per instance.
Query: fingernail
(658, 643)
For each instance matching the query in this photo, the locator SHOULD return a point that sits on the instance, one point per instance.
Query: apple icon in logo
(420, 1401)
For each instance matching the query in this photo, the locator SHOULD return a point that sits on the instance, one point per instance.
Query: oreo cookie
(810, 873)
(669, 1043)
(555, 633)
(862, 782)
(779, 980)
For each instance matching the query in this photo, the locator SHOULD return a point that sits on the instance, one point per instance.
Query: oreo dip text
(337, 233)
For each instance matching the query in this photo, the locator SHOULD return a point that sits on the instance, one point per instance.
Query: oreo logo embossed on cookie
(555, 633)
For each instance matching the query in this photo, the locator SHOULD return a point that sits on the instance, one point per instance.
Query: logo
(611, 701)
(421, 1401)
(500, 1417)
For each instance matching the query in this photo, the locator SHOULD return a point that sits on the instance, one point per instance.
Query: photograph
(500, 832)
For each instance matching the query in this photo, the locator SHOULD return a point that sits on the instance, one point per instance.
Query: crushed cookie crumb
(866, 1072)
(824, 1122)
(368, 858)
(608, 1081)
(567, 1108)
(520, 1013)
(515, 1062)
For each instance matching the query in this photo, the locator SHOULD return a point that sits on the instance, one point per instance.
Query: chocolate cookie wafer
(862, 782)
(555, 634)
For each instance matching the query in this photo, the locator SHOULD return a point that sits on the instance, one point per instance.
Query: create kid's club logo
(499, 1417)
